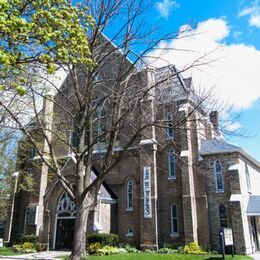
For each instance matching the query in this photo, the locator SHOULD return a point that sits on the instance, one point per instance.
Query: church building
(176, 185)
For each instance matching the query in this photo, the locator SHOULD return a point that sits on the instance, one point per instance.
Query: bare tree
(111, 107)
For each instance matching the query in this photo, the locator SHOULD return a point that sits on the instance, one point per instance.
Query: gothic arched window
(171, 165)
(129, 195)
(169, 129)
(65, 206)
(218, 176)
(223, 216)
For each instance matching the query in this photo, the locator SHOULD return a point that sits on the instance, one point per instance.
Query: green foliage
(192, 248)
(109, 250)
(33, 241)
(93, 248)
(131, 249)
(143, 256)
(48, 32)
(40, 247)
(103, 239)
(166, 250)
(26, 247)
(30, 238)
(150, 251)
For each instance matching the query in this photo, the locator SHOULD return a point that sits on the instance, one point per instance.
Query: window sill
(172, 178)
(169, 138)
(220, 191)
(174, 235)
(129, 209)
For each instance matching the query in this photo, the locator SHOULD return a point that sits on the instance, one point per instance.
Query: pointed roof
(217, 146)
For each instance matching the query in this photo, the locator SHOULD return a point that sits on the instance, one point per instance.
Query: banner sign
(147, 193)
(228, 236)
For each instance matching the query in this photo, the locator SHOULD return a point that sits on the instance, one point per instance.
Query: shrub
(171, 246)
(150, 251)
(104, 239)
(109, 250)
(166, 250)
(26, 247)
(193, 248)
(30, 238)
(40, 247)
(17, 248)
(93, 248)
(131, 249)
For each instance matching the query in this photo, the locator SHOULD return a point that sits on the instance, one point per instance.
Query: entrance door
(65, 231)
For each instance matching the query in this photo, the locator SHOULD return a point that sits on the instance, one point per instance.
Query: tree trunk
(79, 240)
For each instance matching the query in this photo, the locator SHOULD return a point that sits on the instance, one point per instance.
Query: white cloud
(232, 68)
(255, 20)
(253, 12)
(166, 6)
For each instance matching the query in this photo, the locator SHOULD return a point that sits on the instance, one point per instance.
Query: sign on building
(228, 236)
(147, 193)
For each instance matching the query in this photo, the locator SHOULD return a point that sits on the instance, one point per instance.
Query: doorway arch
(64, 222)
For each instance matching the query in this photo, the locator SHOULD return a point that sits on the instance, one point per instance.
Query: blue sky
(232, 29)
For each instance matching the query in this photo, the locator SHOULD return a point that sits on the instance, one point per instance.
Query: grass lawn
(145, 256)
(7, 251)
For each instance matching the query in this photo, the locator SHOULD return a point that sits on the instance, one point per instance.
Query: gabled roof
(188, 82)
(217, 146)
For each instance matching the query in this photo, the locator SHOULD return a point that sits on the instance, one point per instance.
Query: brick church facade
(174, 187)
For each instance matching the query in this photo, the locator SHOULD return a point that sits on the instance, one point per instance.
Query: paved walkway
(46, 255)
(256, 256)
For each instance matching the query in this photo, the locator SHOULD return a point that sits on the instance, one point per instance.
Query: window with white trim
(174, 220)
(31, 215)
(171, 165)
(169, 129)
(218, 176)
(129, 195)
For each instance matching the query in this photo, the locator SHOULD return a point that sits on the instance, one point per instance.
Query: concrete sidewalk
(256, 256)
(45, 255)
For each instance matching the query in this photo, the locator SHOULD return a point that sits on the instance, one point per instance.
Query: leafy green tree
(48, 32)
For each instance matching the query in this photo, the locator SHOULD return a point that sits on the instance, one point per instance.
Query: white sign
(228, 236)
(1, 242)
(147, 193)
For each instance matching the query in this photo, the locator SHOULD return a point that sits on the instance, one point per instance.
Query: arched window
(169, 130)
(171, 165)
(65, 205)
(223, 216)
(129, 195)
(129, 233)
(174, 220)
(218, 176)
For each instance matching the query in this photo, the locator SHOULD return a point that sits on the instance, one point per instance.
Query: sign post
(228, 237)
(222, 241)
